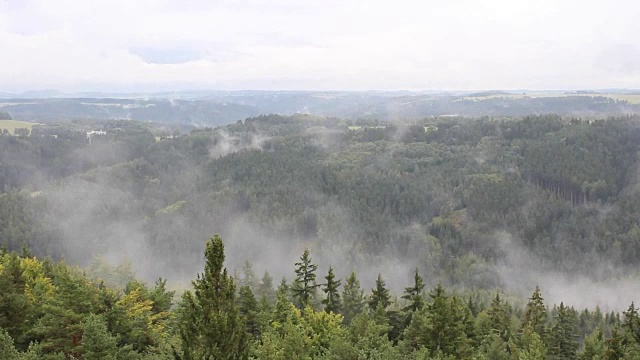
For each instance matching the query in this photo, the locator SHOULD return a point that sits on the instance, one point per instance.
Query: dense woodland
(51, 310)
(451, 199)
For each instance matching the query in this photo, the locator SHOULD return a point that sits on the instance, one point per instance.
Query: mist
(267, 186)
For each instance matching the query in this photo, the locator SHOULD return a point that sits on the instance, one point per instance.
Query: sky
(165, 45)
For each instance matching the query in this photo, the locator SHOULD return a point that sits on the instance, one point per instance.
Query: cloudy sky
(126, 45)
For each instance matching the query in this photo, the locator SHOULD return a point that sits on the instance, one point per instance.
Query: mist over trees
(458, 199)
(392, 237)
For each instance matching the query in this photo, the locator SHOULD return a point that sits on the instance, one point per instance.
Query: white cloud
(80, 45)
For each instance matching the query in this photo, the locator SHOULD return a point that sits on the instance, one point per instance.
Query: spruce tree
(209, 323)
(535, 315)
(305, 286)
(379, 295)
(500, 318)
(414, 296)
(249, 276)
(352, 299)
(248, 308)
(265, 291)
(563, 335)
(631, 323)
(332, 301)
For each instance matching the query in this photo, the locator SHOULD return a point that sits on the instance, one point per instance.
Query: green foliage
(248, 308)
(565, 190)
(7, 349)
(380, 296)
(563, 344)
(304, 289)
(535, 315)
(332, 301)
(441, 326)
(352, 299)
(97, 343)
(208, 319)
(414, 296)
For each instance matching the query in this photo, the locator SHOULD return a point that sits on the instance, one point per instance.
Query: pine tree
(352, 299)
(332, 301)
(379, 295)
(208, 320)
(305, 286)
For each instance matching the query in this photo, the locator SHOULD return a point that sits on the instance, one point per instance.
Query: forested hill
(219, 108)
(476, 203)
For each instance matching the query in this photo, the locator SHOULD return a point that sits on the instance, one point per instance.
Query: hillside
(474, 203)
(201, 109)
(453, 208)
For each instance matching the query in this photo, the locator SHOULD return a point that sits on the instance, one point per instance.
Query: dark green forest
(450, 223)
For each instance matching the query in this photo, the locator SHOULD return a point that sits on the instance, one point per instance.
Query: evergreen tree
(332, 301)
(441, 326)
(631, 323)
(161, 297)
(352, 299)
(7, 349)
(97, 342)
(615, 345)
(531, 346)
(535, 314)
(379, 295)
(248, 308)
(305, 286)
(563, 335)
(595, 346)
(500, 318)
(265, 289)
(414, 296)
(208, 320)
(283, 305)
(13, 303)
(249, 277)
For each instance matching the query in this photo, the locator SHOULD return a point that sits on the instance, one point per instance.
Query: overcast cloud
(124, 45)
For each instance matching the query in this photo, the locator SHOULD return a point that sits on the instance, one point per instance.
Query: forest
(52, 310)
(421, 239)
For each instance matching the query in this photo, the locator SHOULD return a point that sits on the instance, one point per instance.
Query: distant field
(12, 125)
(355, 127)
(630, 98)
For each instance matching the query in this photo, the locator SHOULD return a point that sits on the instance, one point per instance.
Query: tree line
(51, 310)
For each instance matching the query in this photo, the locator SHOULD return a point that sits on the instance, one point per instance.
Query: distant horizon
(53, 93)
